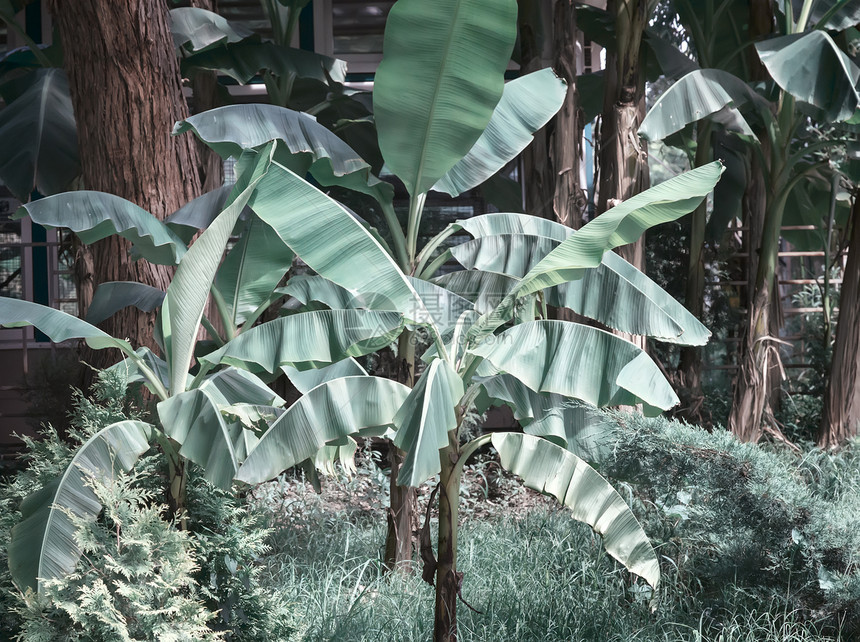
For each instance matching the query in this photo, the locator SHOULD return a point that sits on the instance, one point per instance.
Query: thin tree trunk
(403, 500)
(690, 362)
(840, 418)
(126, 91)
(448, 579)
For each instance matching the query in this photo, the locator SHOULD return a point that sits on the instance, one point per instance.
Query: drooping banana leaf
(198, 213)
(242, 61)
(152, 361)
(621, 225)
(837, 14)
(113, 296)
(43, 545)
(579, 428)
(40, 141)
(309, 340)
(814, 70)
(613, 293)
(526, 105)
(193, 419)
(253, 417)
(697, 95)
(57, 325)
(423, 422)
(549, 469)
(333, 243)
(231, 386)
(97, 215)
(513, 223)
(189, 289)
(197, 29)
(444, 305)
(327, 456)
(306, 288)
(485, 289)
(579, 361)
(228, 130)
(328, 413)
(252, 270)
(306, 380)
(441, 75)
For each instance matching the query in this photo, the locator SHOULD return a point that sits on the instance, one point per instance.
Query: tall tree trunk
(840, 418)
(448, 579)
(623, 159)
(126, 91)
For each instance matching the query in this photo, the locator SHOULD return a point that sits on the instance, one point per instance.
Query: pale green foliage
(135, 579)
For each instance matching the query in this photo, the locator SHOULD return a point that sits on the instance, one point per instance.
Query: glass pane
(11, 251)
(358, 26)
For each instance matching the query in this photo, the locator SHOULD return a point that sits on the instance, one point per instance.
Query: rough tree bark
(840, 418)
(127, 93)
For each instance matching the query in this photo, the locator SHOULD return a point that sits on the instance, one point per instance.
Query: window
(351, 30)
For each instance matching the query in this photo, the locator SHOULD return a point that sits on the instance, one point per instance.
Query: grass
(535, 576)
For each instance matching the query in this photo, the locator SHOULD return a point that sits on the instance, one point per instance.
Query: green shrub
(780, 528)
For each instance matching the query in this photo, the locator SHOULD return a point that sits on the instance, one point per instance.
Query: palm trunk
(448, 580)
(402, 509)
(841, 415)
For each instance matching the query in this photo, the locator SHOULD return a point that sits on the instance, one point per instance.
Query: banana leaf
(552, 470)
(423, 422)
(306, 380)
(526, 105)
(309, 340)
(43, 545)
(441, 76)
(113, 296)
(579, 361)
(328, 413)
(40, 140)
(196, 29)
(97, 215)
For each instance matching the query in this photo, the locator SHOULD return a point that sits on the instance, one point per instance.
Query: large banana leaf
(306, 288)
(579, 361)
(197, 29)
(552, 470)
(231, 386)
(189, 289)
(113, 296)
(333, 243)
(306, 380)
(156, 364)
(40, 141)
(579, 428)
(194, 420)
(57, 325)
(444, 306)
(614, 293)
(526, 105)
(97, 215)
(242, 61)
(328, 413)
(252, 270)
(309, 340)
(43, 545)
(621, 225)
(424, 420)
(231, 129)
(699, 94)
(814, 70)
(513, 223)
(441, 75)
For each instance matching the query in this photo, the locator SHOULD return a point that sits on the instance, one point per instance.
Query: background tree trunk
(622, 158)
(841, 415)
(127, 94)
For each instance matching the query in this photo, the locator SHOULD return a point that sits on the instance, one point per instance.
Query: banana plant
(823, 89)
(207, 416)
(535, 365)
